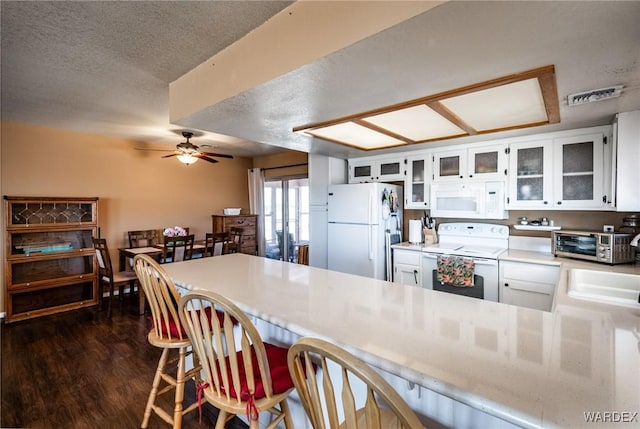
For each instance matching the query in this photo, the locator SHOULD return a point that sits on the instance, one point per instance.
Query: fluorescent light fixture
(356, 135)
(519, 100)
(594, 95)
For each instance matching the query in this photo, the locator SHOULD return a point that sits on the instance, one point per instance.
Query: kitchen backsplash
(568, 220)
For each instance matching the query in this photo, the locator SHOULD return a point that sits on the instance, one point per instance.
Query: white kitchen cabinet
(528, 284)
(406, 267)
(486, 162)
(579, 172)
(530, 175)
(323, 171)
(566, 172)
(376, 170)
(418, 182)
(627, 158)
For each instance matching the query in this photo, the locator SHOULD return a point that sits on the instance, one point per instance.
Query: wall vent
(594, 95)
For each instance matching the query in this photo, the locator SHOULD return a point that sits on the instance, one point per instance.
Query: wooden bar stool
(166, 333)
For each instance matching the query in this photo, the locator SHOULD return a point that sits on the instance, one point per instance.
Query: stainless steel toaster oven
(605, 247)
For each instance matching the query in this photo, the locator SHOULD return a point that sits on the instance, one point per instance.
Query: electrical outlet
(607, 228)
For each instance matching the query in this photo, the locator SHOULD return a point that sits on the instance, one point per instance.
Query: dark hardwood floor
(80, 369)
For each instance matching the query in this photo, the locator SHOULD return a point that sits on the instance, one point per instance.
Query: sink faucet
(635, 240)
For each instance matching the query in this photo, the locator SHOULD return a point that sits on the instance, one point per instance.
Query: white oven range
(481, 242)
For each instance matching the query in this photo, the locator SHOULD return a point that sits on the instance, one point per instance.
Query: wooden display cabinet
(49, 257)
(223, 223)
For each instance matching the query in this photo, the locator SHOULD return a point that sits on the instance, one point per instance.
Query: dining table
(155, 251)
(460, 361)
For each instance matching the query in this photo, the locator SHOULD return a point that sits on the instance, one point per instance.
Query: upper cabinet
(530, 169)
(477, 163)
(376, 170)
(579, 172)
(568, 172)
(627, 160)
(418, 181)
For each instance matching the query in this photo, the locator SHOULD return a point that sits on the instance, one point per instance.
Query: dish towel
(455, 270)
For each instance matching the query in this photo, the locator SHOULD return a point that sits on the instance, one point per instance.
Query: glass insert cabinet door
(579, 171)
(449, 165)
(417, 183)
(531, 169)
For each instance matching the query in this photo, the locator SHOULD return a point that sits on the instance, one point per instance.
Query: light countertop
(529, 367)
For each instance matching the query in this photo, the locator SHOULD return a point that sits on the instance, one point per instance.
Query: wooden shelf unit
(50, 263)
(248, 223)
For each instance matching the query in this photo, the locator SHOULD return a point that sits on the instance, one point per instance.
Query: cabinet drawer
(408, 257)
(537, 273)
(240, 221)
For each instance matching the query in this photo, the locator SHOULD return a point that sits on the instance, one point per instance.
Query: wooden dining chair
(143, 238)
(107, 276)
(177, 249)
(216, 244)
(303, 254)
(241, 373)
(235, 239)
(319, 368)
(168, 334)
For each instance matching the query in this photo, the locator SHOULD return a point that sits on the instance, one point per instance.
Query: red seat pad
(175, 330)
(280, 378)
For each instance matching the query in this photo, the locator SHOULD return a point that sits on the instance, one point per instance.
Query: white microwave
(468, 200)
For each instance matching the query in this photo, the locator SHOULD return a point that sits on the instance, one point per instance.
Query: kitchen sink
(604, 286)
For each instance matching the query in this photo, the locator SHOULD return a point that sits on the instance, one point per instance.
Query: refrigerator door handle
(370, 211)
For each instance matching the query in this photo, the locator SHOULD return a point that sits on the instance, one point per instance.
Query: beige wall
(137, 189)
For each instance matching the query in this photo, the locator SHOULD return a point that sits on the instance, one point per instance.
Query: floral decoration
(176, 231)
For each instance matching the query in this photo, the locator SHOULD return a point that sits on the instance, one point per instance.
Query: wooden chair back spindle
(382, 408)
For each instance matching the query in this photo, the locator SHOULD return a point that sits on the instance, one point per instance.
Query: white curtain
(256, 204)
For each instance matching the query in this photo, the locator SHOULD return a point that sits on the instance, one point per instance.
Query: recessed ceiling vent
(594, 95)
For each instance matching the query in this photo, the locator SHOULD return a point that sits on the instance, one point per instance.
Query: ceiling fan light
(187, 159)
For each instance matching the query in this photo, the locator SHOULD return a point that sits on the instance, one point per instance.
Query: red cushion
(280, 378)
(173, 329)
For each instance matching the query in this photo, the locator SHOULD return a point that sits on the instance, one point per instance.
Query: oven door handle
(477, 261)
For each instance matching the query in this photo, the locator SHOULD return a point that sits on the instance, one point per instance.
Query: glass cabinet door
(449, 165)
(579, 178)
(487, 163)
(530, 166)
(417, 182)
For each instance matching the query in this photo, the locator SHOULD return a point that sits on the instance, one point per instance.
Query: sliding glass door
(286, 217)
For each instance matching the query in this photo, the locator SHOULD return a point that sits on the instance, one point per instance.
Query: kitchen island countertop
(528, 367)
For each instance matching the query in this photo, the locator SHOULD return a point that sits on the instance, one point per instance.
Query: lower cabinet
(528, 284)
(406, 267)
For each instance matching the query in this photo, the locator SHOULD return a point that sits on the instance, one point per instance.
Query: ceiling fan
(188, 153)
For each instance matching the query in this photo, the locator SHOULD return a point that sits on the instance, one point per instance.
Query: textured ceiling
(105, 67)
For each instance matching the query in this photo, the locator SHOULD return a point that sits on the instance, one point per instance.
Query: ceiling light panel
(418, 123)
(511, 105)
(351, 134)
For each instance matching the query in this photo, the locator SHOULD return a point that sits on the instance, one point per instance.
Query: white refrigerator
(362, 218)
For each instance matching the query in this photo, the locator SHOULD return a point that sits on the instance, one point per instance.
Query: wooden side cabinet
(49, 257)
(223, 223)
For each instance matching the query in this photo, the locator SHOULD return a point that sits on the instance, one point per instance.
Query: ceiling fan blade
(170, 155)
(213, 161)
(219, 155)
(154, 150)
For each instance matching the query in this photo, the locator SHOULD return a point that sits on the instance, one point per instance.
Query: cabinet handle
(559, 202)
(470, 175)
(546, 202)
(462, 177)
(506, 285)
(415, 276)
